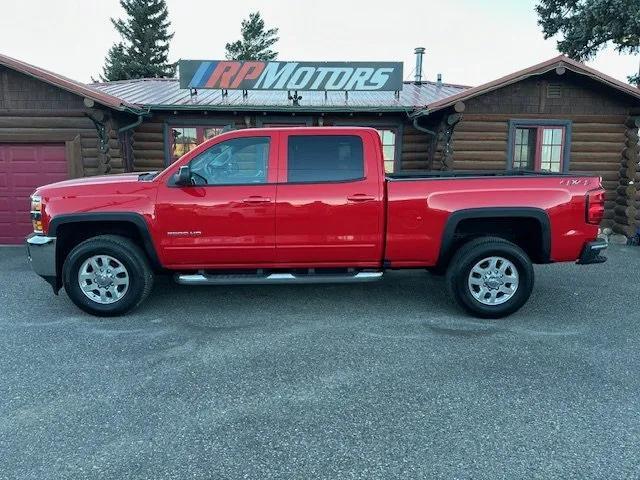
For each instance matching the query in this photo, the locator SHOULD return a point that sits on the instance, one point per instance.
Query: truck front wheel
(107, 275)
(490, 277)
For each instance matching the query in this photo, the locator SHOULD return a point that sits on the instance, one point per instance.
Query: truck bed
(423, 206)
(421, 174)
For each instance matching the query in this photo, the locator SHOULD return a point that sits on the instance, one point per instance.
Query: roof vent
(419, 51)
(439, 81)
(554, 90)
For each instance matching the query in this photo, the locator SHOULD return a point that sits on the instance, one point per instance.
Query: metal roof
(166, 94)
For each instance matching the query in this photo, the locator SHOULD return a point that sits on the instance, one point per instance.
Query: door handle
(360, 197)
(257, 199)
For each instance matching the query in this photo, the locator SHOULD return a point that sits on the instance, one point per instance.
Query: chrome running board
(274, 278)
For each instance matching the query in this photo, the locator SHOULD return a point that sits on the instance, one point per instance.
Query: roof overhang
(67, 84)
(560, 61)
(280, 109)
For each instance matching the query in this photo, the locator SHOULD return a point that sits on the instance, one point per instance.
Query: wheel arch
(129, 224)
(450, 241)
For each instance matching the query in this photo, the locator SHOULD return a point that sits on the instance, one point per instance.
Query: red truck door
(228, 217)
(329, 208)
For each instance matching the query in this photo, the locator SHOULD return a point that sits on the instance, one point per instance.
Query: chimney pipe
(439, 82)
(419, 51)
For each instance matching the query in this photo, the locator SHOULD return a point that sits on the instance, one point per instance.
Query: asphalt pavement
(368, 381)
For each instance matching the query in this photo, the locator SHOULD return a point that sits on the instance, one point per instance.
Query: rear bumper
(41, 251)
(591, 252)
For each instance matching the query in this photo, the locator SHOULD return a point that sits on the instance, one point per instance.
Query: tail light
(595, 206)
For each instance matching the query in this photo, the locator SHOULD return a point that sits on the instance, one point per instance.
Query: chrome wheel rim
(103, 279)
(493, 280)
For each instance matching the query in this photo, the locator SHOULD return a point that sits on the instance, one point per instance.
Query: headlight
(36, 213)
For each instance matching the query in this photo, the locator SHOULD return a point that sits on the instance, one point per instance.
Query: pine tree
(587, 26)
(143, 51)
(255, 41)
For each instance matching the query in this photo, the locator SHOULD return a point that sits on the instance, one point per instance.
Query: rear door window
(324, 158)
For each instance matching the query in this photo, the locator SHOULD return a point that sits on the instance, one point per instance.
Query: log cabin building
(559, 116)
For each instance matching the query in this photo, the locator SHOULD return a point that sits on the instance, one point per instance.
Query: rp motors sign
(254, 75)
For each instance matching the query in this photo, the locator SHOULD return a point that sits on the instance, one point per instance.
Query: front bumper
(591, 252)
(41, 251)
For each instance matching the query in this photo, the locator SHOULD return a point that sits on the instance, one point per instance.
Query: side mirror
(183, 177)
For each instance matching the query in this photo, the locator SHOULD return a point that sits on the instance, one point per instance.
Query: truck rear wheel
(107, 275)
(490, 277)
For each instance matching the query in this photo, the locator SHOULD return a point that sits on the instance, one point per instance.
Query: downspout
(433, 134)
(418, 127)
(448, 124)
(126, 128)
(123, 134)
(140, 114)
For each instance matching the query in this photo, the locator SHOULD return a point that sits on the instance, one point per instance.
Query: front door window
(234, 162)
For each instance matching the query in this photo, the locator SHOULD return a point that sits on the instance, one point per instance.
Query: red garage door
(23, 167)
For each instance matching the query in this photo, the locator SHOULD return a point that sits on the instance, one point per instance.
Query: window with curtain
(539, 148)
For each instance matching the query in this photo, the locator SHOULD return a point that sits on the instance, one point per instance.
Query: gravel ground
(385, 380)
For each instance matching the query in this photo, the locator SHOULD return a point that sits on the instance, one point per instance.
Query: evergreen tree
(255, 41)
(143, 51)
(588, 25)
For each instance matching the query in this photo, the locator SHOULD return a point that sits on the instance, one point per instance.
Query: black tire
(124, 251)
(473, 252)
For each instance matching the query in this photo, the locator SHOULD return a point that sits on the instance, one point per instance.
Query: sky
(469, 42)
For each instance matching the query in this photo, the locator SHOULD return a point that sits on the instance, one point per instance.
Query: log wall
(35, 112)
(627, 204)
(415, 149)
(147, 144)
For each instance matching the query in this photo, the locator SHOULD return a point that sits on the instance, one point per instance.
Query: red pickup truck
(305, 205)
